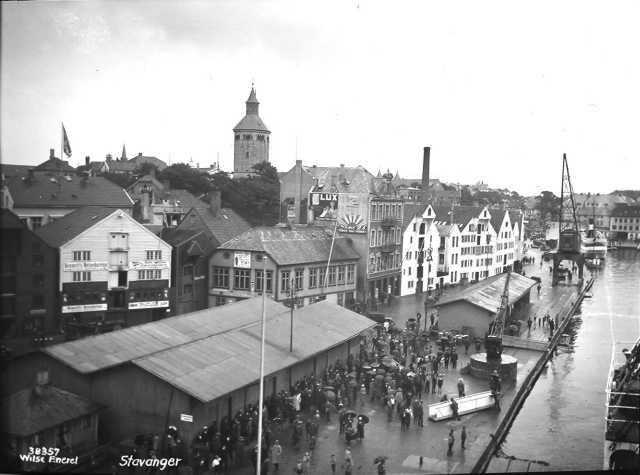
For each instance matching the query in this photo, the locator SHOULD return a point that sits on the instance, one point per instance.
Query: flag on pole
(66, 148)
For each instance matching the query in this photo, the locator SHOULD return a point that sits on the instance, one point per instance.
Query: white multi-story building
(112, 270)
(505, 241)
(467, 244)
(477, 240)
(448, 255)
(420, 242)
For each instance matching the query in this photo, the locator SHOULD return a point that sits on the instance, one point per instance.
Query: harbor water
(562, 420)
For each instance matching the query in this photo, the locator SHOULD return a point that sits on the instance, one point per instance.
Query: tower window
(247, 137)
(237, 136)
(261, 138)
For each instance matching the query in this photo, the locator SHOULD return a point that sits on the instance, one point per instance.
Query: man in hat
(451, 440)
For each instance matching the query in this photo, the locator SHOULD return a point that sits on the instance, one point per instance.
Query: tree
(123, 180)
(146, 168)
(182, 176)
(256, 198)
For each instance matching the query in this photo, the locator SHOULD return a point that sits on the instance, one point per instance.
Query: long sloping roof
(347, 179)
(69, 226)
(214, 351)
(461, 214)
(26, 412)
(224, 225)
(293, 246)
(488, 293)
(215, 366)
(99, 352)
(251, 122)
(45, 191)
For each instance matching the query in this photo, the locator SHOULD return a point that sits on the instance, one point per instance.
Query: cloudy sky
(499, 90)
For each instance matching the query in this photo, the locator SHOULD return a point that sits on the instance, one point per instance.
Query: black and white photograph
(353, 237)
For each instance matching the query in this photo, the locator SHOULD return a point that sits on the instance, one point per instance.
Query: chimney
(87, 160)
(109, 157)
(298, 198)
(214, 202)
(51, 153)
(139, 154)
(145, 206)
(425, 173)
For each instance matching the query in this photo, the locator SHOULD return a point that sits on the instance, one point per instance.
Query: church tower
(251, 138)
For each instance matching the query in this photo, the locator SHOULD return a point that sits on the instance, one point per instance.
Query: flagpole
(261, 396)
(61, 139)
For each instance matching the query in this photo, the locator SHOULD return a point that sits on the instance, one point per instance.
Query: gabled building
(157, 204)
(448, 256)
(28, 289)
(44, 415)
(420, 241)
(505, 241)
(42, 194)
(477, 239)
(625, 223)
(596, 209)
(189, 268)
(301, 266)
(113, 272)
(129, 166)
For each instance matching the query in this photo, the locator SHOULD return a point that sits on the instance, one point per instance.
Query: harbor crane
(493, 340)
(569, 237)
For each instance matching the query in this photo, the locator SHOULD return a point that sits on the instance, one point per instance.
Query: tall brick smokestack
(425, 173)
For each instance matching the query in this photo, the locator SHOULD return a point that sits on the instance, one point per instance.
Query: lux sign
(328, 196)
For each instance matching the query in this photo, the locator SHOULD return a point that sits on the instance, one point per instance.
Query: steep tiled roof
(9, 170)
(626, 211)
(251, 122)
(62, 230)
(515, 216)
(225, 225)
(410, 211)
(26, 412)
(487, 293)
(54, 164)
(293, 246)
(179, 198)
(461, 214)
(121, 166)
(347, 179)
(45, 191)
(497, 216)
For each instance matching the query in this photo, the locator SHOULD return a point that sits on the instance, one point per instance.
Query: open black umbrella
(363, 418)
(350, 413)
(328, 388)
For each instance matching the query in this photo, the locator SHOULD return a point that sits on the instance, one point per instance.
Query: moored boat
(622, 421)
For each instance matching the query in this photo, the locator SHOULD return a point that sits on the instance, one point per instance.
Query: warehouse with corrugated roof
(471, 308)
(203, 364)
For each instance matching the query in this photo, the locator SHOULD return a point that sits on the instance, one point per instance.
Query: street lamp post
(262, 333)
(429, 259)
(292, 294)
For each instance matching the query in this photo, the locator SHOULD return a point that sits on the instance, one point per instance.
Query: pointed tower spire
(252, 102)
(379, 175)
(124, 153)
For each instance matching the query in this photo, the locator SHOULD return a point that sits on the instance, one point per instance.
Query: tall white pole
(262, 331)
